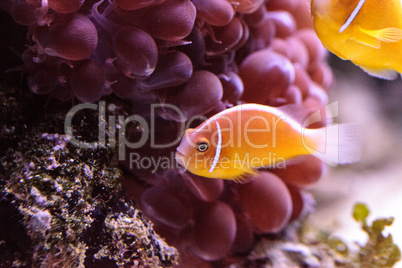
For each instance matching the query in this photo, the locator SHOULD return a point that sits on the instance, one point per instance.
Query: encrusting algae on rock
(63, 206)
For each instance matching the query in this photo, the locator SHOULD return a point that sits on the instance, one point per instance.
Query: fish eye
(202, 146)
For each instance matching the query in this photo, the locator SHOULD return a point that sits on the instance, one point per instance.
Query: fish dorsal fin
(295, 111)
(383, 74)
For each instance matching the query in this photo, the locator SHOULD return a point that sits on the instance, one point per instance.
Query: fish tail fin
(339, 144)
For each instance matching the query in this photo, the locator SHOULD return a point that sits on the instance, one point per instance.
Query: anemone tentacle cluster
(201, 56)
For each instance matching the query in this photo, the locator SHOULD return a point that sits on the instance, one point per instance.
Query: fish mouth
(179, 158)
(179, 153)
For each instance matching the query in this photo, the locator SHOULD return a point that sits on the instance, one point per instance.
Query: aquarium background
(376, 179)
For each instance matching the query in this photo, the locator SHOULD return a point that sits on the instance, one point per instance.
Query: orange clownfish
(366, 32)
(235, 142)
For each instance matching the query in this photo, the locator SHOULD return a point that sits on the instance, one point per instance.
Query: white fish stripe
(352, 16)
(218, 148)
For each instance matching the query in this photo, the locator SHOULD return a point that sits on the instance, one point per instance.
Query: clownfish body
(366, 32)
(235, 142)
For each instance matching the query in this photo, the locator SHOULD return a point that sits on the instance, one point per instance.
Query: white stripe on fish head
(218, 148)
(352, 16)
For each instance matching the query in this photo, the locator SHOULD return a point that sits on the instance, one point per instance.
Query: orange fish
(366, 32)
(235, 142)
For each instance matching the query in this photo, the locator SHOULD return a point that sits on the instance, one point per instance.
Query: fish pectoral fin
(374, 38)
(246, 177)
(367, 40)
(384, 74)
(388, 35)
